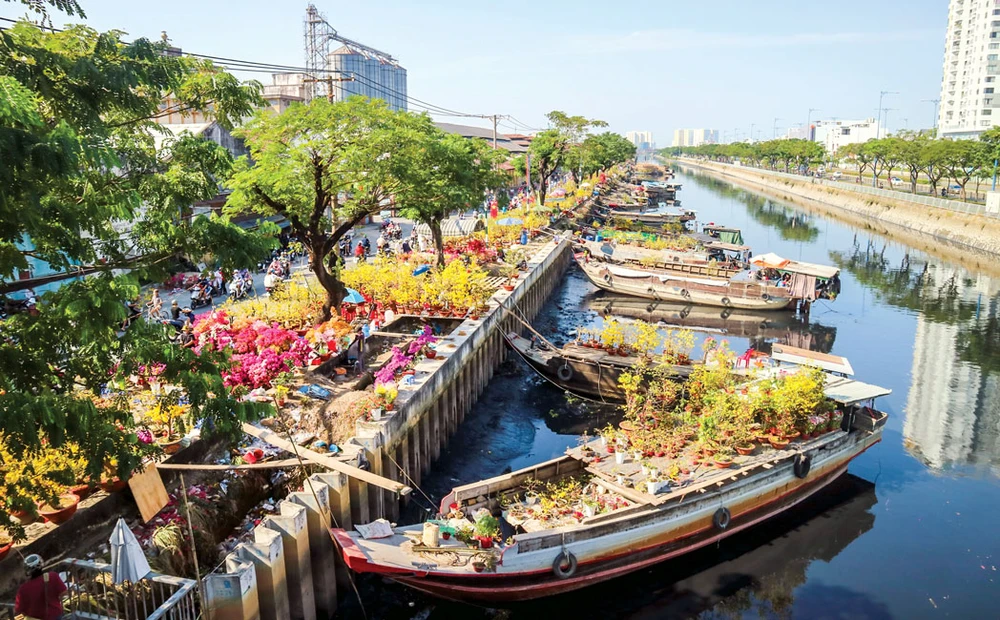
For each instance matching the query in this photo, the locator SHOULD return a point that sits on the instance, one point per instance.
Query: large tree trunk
(330, 283)
(435, 226)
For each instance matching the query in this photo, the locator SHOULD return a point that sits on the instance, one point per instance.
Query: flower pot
(23, 517)
(445, 535)
(113, 486)
(792, 435)
(745, 450)
(5, 549)
(508, 287)
(169, 447)
(479, 566)
(620, 458)
(68, 503)
(620, 479)
(431, 354)
(82, 491)
(589, 511)
(485, 542)
(722, 463)
(778, 443)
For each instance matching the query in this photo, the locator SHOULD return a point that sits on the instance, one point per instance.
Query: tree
(324, 167)
(932, 160)
(858, 155)
(991, 150)
(603, 150)
(450, 173)
(83, 184)
(549, 149)
(911, 150)
(965, 158)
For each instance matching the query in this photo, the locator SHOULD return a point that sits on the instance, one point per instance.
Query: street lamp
(878, 133)
(752, 125)
(775, 128)
(887, 110)
(809, 122)
(935, 102)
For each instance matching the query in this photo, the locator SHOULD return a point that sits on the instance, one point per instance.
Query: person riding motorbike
(201, 293)
(179, 316)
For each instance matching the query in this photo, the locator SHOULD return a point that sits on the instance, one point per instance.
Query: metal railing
(92, 595)
(959, 206)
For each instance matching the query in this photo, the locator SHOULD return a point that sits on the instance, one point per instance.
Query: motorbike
(240, 289)
(201, 297)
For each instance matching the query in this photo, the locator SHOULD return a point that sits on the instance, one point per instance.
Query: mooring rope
(411, 481)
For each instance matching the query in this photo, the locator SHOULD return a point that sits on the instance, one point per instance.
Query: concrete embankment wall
(292, 568)
(976, 232)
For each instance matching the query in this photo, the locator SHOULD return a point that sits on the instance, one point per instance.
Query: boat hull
(668, 532)
(667, 288)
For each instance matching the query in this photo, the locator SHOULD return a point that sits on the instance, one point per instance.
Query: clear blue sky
(638, 65)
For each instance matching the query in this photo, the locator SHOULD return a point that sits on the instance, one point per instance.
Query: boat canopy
(732, 247)
(805, 357)
(848, 391)
(724, 233)
(773, 261)
(453, 227)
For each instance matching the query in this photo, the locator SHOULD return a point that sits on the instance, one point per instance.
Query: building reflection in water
(953, 406)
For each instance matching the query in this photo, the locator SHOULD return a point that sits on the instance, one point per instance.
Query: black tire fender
(685, 294)
(565, 372)
(721, 518)
(726, 302)
(564, 566)
(765, 297)
(607, 277)
(801, 465)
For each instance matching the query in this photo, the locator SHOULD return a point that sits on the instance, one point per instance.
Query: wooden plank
(149, 493)
(214, 467)
(320, 459)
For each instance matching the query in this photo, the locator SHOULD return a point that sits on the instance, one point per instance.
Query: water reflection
(761, 329)
(791, 225)
(953, 405)
(752, 574)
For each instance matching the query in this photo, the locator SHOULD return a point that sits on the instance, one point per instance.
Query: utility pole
(809, 122)
(752, 125)
(328, 80)
(878, 133)
(494, 132)
(775, 128)
(935, 102)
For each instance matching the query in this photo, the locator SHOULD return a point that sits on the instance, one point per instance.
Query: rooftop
(470, 131)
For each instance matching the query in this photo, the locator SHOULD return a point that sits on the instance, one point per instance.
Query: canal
(911, 532)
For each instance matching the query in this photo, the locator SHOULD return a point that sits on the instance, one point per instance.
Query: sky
(651, 66)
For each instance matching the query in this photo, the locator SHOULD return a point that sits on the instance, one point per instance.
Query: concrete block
(291, 524)
(232, 595)
(268, 557)
(321, 547)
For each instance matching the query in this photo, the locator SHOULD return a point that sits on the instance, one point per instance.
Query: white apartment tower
(641, 139)
(971, 67)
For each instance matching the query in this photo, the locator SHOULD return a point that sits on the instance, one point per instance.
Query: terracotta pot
(723, 464)
(23, 516)
(485, 543)
(60, 515)
(474, 317)
(778, 444)
(169, 447)
(445, 535)
(113, 486)
(792, 435)
(431, 354)
(390, 406)
(745, 450)
(478, 567)
(4, 550)
(82, 491)
(508, 287)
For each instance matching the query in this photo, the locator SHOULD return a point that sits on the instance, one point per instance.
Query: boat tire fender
(685, 294)
(726, 302)
(765, 297)
(607, 277)
(565, 372)
(721, 518)
(564, 565)
(801, 465)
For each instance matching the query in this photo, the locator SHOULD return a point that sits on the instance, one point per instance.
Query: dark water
(913, 532)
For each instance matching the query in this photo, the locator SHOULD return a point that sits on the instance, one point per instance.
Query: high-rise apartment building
(641, 139)
(695, 137)
(971, 67)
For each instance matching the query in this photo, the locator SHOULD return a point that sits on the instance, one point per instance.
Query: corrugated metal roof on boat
(848, 391)
(805, 357)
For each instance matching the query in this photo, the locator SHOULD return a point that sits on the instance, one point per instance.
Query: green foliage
(82, 179)
(549, 149)
(325, 167)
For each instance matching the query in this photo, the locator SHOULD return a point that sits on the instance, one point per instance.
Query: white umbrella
(128, 562)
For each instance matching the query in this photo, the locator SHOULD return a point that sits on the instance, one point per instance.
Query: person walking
(39, 598)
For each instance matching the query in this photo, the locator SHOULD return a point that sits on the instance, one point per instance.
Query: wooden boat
(649, 216)
(591, 373)
(547, 558)
(666, 285)
(710, 261)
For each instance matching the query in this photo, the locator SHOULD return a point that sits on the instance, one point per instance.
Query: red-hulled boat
(644, 526)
